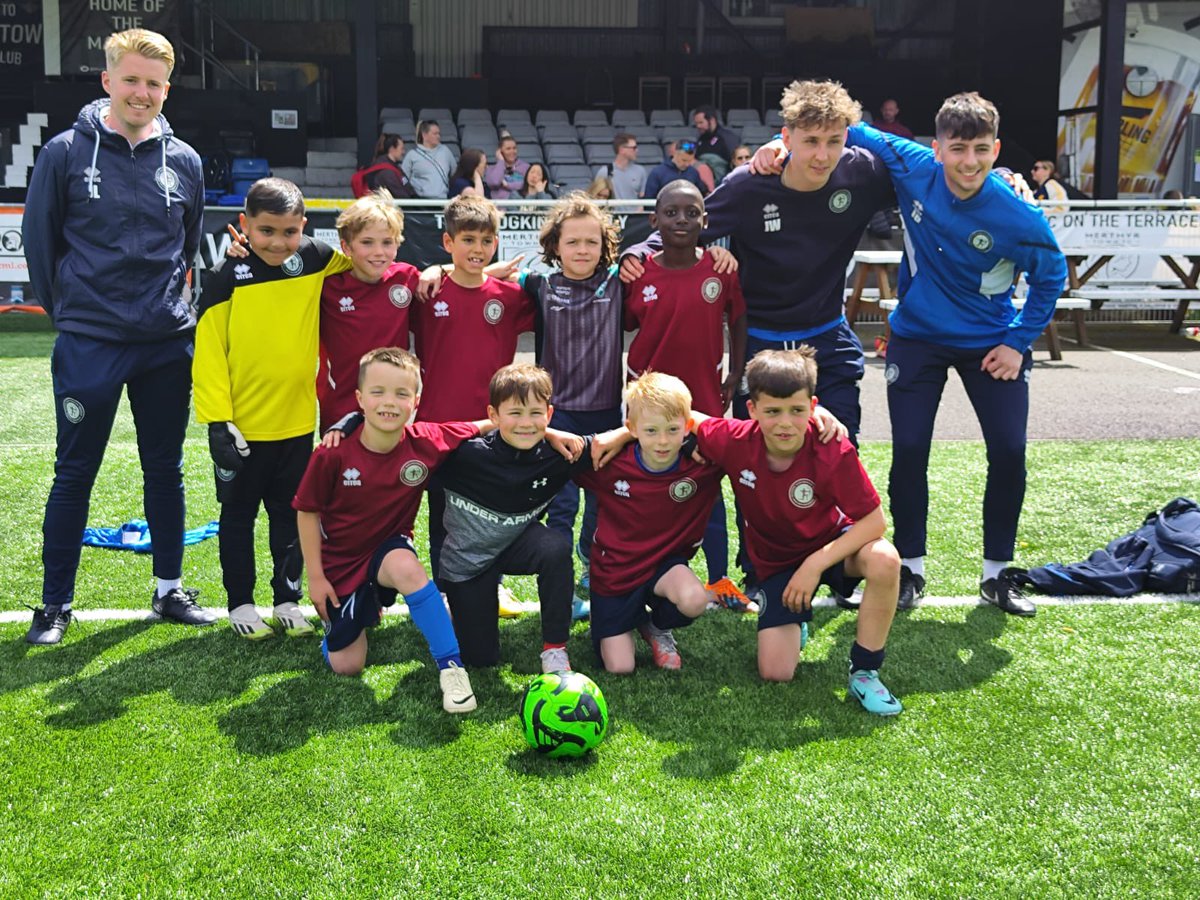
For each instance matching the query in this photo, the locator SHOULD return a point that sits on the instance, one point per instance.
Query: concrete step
(330, 159)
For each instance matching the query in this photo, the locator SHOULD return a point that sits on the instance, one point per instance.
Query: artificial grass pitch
(1053, 757)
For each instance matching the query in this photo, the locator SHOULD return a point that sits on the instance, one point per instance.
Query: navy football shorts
(362, 608)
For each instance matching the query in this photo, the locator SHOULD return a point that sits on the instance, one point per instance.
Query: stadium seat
(507, 118)
(867, 117)
(548, 116)
(773, 118)
(736, 118)
(406, 128)
(572, 176)
(757, 134)
(391, 113)
(599, 154)
(598, 134)
(590, 117)
(642, 133)
(242, 186)
(232, 200)
(650, 153)
(481, 136)
(563, 153)
(558, 133)
(474, 117)
(248, 168)
(439, 113)
(522, 131)
(531, 152)
(661, 118)
(678, 133)
(623, 118)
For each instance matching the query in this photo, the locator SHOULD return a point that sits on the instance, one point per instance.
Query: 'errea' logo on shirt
(771, 218)
(352, 477)
(441, 310)
(747, 478)
(621, 488)
(241, 272)
(649, 293)
(346, 304)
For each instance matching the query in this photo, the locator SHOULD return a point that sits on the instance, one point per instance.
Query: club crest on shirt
(493, 311)
(414, 472)
(293, 265)
(166, 179)
(801, 493)
(400, 296)
(891, 373)
(683, 489)
(711, 289)
(839, 201)
(981, 241)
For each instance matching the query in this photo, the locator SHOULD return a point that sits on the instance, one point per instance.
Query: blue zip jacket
(111, 230)
(962, 256)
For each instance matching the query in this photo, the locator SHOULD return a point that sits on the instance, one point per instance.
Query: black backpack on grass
(1161, 557)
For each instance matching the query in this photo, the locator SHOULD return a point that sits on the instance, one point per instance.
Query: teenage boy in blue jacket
(112, 223)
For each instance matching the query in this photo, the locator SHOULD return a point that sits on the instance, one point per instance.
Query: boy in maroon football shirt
(680, 306)
(355, 510)
(654, 503)
(465, 333)
(812, 517)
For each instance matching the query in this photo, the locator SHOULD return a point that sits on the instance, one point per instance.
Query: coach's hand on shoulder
(237, 247)
(1003, 363)
(769, 159)
(631, 268)
(828, 425)
(321, 592)
(723, 261)
(227, 446)
(569, 445)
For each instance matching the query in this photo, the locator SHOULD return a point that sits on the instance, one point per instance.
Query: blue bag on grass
(135, 536)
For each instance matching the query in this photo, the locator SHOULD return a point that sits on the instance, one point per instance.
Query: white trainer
(555, 660)
(247, 623)
(287, 615)
(457, 695)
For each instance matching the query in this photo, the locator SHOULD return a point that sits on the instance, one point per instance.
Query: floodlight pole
(366, 75)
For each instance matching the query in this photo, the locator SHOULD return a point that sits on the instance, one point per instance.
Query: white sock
(168, 584)
(916, 565)
(991, 568)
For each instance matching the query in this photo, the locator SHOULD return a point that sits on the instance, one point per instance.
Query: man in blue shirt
(967, 236)
(680, 165)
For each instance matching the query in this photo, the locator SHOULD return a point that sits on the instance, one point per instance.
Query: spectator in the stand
(506, 176)
(628, 178)
(1046, 186)
(389, 151)
(468, 177)
(714, 142)
(681, 164)
(537, 184)
(741, 156)
(428, 165)
(889, 120)
(601, 188)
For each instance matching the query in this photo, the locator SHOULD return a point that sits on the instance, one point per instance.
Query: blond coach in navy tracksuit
(112, 222)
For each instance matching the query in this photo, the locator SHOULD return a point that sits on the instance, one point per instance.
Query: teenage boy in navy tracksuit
(112, 223)
(967, 235)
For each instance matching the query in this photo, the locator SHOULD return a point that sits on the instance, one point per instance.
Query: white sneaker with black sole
(287, 615)
(246, 622)
(457, 695)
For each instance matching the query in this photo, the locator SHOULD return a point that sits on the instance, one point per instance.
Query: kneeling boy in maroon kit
(812, 517)
(355, 510)
(654, 503)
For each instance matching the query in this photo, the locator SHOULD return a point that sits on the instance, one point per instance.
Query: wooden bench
(1182, 297)
(1075, 305)
(866, 264)
(1182, 293)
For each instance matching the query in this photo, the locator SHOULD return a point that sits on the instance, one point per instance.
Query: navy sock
(861, 658)
(429, 614)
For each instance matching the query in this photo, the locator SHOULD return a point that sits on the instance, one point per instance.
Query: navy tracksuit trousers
(89, 376)
(916, 374)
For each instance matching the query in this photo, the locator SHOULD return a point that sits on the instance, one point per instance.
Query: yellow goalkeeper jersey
(256, 342)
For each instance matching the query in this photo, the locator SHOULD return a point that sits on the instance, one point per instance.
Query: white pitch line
(1144, 360)
(102, 615)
